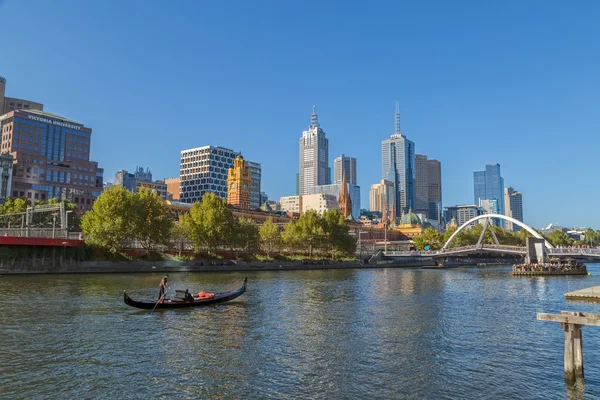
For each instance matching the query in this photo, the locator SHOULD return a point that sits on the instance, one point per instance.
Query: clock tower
(238, 184)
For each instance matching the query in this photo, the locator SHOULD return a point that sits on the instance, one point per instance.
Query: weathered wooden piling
(571, 323)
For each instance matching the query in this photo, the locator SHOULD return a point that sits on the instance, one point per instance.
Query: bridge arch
(500, 216)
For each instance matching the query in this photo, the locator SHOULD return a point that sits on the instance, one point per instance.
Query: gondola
(185, 301)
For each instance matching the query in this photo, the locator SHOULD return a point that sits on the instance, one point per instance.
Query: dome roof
(410, 218)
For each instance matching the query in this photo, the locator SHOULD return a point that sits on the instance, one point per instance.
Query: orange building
(238, 184)
(173, 187)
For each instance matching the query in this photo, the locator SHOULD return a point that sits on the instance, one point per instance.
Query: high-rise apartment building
(12, 103)
(513, 206)
(239, 182)
(204, 170)
(398, 166)
(489, 185)
(255, 178)
(140, 179)
(381, 196)
(52, 158)
(314, 157)
(347, 165)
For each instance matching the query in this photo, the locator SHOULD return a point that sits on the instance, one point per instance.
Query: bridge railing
(571, 250)
(39, 233)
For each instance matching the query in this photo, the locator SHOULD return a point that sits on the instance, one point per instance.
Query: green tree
(336, 233)
(109, 221)
(178, 236)
(592, 237)
(430, 237)
(209, 223)
(150, 222)
(291, 236)
(559, 239)
(247, 235)
(270, 236)
(310, 230)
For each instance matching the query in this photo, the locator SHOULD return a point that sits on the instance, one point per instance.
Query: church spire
(314, 119)
(344, 201)
(397, 131)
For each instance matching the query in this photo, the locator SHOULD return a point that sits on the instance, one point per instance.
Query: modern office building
(173, 187)
(428, 178)
(319, 202)
(336, 190)
(490, 206)
(52, 158)
(204, 170)
(381, 196)
(347, 165)
(462, 214)
(291, 204)
(421, 184)
(239, 181)
(513, 207)
(6, 172)
(140, 179)
(489, 185)
(398, 166)
(314, 157)
(12, 103)
(255, 174)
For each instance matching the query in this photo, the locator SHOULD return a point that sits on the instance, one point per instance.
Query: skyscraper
(513, 207)
(398, 166)
(421, 184)
(314, 157)
(489, 185)
(434, 177)
(344, 164)
(428, 177)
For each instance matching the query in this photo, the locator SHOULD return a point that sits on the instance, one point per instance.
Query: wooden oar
(159, 300)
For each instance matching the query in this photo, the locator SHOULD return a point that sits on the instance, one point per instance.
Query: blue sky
(478, 82)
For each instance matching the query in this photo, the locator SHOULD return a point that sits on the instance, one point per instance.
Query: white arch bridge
(495, 247)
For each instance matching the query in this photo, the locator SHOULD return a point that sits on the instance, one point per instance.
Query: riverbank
(137, 266)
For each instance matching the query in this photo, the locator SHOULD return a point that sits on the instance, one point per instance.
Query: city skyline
(458, 95)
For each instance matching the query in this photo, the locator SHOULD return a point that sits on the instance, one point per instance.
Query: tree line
(119, 215)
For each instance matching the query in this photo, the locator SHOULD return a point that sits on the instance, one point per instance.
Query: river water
(332, 334)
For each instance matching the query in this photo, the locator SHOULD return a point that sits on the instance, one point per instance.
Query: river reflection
(383, 333)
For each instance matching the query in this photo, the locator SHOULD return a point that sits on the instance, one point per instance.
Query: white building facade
(314, 157)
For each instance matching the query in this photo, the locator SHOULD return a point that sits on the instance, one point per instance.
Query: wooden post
(578, 351)
(569, 356)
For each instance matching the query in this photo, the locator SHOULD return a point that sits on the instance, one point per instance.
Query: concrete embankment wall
(68, 266)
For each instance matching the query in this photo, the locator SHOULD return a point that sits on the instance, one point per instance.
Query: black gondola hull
(219, 298)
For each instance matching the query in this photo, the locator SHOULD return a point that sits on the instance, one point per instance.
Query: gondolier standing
(164, 283)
